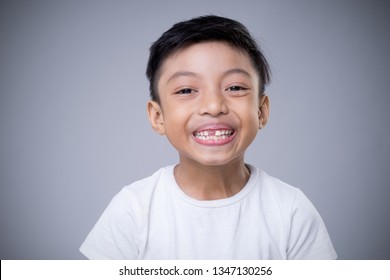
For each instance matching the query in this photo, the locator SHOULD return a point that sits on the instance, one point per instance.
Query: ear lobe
(156, 117)
(263, 111)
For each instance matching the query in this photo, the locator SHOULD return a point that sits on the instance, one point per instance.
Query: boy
(207, 78)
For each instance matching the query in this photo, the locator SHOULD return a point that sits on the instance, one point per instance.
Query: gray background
(74, 128)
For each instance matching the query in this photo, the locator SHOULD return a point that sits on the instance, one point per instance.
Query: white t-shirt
(154, 219)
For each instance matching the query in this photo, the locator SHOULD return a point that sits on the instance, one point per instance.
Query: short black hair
(204, 29)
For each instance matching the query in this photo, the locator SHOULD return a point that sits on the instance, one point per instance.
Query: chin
(213, 162)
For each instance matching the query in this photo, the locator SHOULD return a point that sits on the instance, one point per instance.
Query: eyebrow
(193, 74)
(182, 74)
(237, 71)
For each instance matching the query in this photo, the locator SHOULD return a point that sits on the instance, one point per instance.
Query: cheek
(250, 121)
(249, 112)
(175, 120)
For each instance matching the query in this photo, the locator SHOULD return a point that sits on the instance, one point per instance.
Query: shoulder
(287, 197)
(148, 182)
(275, 185)
(276, 191)
(142, 191)
(307, 234)
(118, 234)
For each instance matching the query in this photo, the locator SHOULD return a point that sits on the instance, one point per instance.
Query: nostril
(213, 105)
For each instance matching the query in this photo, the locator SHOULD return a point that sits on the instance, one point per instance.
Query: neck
(211, 182)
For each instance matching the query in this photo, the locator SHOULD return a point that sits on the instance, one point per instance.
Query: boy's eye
(236, 88)
(185, 91)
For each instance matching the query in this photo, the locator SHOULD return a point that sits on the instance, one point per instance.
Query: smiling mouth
(214, 136)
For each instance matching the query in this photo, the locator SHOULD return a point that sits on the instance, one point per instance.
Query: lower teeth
(212, 137)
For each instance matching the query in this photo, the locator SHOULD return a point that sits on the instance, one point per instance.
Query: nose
(213, 103)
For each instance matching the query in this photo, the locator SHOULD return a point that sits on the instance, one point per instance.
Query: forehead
(207, 57)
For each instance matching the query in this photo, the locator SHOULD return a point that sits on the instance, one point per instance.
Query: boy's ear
(263, 110)
(156, 117)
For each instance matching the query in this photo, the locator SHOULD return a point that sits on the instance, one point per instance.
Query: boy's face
(210, 108)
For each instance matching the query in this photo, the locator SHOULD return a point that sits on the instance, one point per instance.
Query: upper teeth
(216, 133)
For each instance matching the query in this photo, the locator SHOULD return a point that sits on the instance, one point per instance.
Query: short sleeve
(114, 234)
(309, 238)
